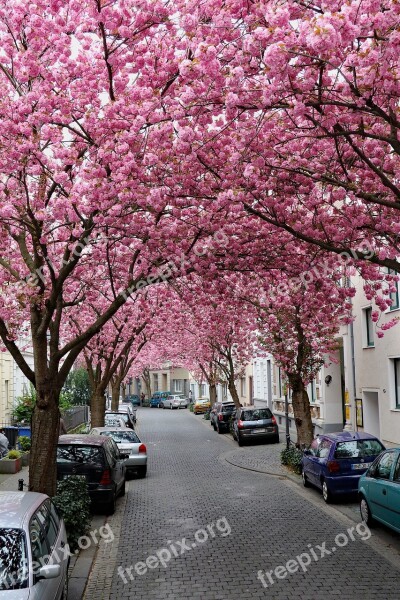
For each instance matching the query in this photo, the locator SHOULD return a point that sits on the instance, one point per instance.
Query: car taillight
(142, 448)
(240, 424)
(273, 420)
(106, 477)
(220, 417)
(333, 466)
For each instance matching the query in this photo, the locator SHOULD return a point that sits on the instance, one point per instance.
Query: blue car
(379, 490)
(133, 399)
(335, 461)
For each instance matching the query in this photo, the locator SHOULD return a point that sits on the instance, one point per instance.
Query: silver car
(128, 442)
(114, 421)
(34, 552)
(175, 401)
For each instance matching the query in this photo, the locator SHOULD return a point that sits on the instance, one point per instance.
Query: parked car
(335, 461)
(97, 459)
(158, 397)
(379, 490)
(221, 414)
(129, 443)
(133, 399)
(128, 420)
(32, 538)
(114, 420)
(175, 401)
(250, 424)
(127, 407)
(201, 405)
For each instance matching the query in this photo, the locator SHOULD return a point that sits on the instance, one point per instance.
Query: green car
(379, 490)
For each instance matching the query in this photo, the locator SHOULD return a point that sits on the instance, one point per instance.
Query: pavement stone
(270, 520)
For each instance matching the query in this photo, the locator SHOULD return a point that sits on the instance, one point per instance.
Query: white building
(13, 382)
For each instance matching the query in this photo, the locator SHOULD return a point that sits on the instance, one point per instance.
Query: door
(119, 465)
(378, 486)
(393, 497)
(311, 463)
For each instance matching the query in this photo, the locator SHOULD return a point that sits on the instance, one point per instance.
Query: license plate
(359, 466)
(258, 431)
(75, 475)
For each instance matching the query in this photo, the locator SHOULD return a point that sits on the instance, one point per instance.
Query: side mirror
(307, 452)
(49, 572)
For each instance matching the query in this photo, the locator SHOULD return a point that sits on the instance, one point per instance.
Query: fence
(73, 417)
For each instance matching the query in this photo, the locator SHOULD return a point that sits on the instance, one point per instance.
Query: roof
(348, 436)
(82, 439)
(15, 506)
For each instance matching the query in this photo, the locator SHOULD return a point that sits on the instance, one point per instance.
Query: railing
(73, 417)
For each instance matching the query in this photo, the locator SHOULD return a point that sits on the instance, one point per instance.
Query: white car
(175, 401)
(33, 548)
(128, 442)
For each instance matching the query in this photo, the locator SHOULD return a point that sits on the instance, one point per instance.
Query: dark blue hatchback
(335, 461)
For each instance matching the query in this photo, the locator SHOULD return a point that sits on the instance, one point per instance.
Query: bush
(207, 415)
(191, 407)
(23, 409)
(73, 502)
(292, 457)
(14, 454)
(24, 443)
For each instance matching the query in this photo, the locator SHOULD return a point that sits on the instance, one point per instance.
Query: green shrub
(191, 407)
(14, 454)
(292, 457)
(24, 443)
(207, 415)
(73, 502)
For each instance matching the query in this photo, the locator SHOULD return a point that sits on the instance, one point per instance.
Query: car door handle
(384, 492)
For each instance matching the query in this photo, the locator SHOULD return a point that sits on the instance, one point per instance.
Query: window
(396, 364)
(178, 385)
(243, 386)
(394, 295)
(324, 448)
(384, 466)
(13, 560)
(280, 390)
(155, 381)
(84, 455)
(369, 327)
(202, 390)
(396, 476)
(313, 391)
(258, 414)
(358, 449)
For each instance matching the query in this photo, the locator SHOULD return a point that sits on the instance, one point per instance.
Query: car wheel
(64, 595)
(142, 471)
(304, 479)
(239, 440)
(365, 512)
(276, 439)
(112, 505)
(219, 429)
(123, 488)
(326, 493)
(171, 407)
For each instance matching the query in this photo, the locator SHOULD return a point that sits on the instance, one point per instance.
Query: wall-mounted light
(384, 391)
(328, 379)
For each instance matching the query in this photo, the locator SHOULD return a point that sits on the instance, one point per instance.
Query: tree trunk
(123, 390)
(45, 429)
(147, 382)
(301, 411)
(233, 392)
(98, 407)
(115, 389)
(213, 393)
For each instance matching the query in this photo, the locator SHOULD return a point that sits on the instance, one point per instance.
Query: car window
(37, 536)
(227, 408)
(324, 448)
(127, 436)
(256, 414)
(80, 454)
(314, 448)
(358, 449)
(13, 559)
(396, 475)
(384, 466)
(48, 524)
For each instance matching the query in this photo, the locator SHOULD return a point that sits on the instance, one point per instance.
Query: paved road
(253, 522)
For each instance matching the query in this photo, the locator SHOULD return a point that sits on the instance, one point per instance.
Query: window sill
(367, 347)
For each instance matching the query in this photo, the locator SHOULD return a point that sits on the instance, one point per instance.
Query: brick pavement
(272, 521)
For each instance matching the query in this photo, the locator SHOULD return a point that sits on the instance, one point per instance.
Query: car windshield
(80, 454)
(115, 416)
(122, 436)
(13, 559)
(228, 407)
(358, 449)
(256, 415)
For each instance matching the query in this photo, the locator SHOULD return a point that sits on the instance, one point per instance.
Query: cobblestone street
(259, 522)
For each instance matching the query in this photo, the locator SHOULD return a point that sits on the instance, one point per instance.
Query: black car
(98, 460)
(220, 416)
(252, 424)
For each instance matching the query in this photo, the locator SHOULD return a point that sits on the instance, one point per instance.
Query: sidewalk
(80, 564)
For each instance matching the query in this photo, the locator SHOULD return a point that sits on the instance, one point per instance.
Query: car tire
(239, 440)
(304, 479)
(171, 407)
(123, 489)
(326, 493)
(112, 505)
(142, 471)
(365, 512)
(276, 439)
(219, 430)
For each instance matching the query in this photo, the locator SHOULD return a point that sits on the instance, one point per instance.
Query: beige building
(13, 383)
